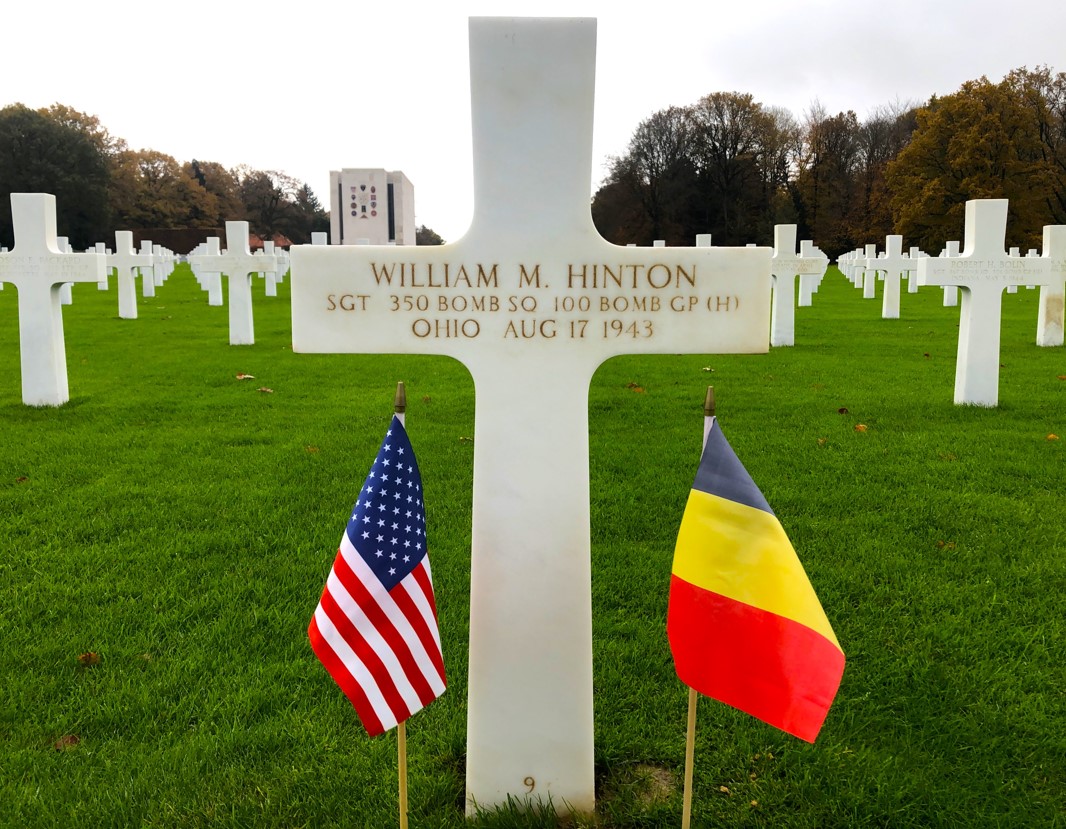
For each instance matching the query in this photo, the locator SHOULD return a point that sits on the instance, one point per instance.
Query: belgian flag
(744, 624)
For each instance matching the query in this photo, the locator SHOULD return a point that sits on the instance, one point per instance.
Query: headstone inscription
(786, 267)
(531, 300)
(982, 272)
(37, 269)
(238, 263)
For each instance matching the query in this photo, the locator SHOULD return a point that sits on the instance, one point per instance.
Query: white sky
(311, 86)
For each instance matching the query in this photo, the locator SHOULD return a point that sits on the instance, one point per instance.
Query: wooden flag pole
(690, 737)
(401, 749)
(400, 408)
(690, 751)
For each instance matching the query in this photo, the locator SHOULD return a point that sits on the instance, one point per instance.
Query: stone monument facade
(371, 206)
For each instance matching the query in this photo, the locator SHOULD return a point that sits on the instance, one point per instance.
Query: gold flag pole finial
(400, 403)
(708, 403)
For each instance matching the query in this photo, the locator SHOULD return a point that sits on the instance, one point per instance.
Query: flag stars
(380, 538)
(392, 557)
(366, 535)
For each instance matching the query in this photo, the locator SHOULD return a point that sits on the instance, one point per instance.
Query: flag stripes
(375, 628)
(744, 624)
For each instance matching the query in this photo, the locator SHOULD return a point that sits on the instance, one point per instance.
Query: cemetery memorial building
(371, 206)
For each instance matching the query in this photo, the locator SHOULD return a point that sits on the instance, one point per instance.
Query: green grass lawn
(180, 523)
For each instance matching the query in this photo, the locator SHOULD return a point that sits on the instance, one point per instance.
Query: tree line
(100, 184)
(732, 167)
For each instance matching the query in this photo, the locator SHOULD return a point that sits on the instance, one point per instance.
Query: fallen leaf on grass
(245, 376)
(89, 659)
(466, 440)
(945, 545)
(755, 804)
(425, 399)
(947, 456)
(69, 741)
(1062, 376)
(637, 389)
(21, 479)
(265, 390)
(1052, 436)
(706, 368)
(926, 354)
(842, 410)
(821, 441)
(860, 427)
(724, 789)
(312, 449)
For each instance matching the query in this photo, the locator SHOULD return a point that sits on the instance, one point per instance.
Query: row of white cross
(43, 263)
(982, 270)
(42, 268)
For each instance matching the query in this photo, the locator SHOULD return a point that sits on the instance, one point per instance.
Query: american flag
(375, 629)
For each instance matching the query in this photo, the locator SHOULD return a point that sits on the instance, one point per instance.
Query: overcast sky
(311, 86)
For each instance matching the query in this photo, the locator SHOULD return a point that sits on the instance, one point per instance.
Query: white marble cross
(103, 285)
(785, 268)
(271, 276)
(238, 264)
(891, 264)
(1052, 307)
(147, 270)
(911, 269)
(809, 282)
(38, 270)
(982, 272)
(869, 273)
(126, 261)
(66, 290)
(210, 281)
(531, 300)
(951, 292)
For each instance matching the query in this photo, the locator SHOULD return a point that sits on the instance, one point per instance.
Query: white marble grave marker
(911, 269)
(103, 285)
(238, 264)
(38, 269)
(869, 272)
(271, 276)
(1052, 307)
(982, 272)
(126, 261)
(809, 282)
(66, 290)
(147, 270)
(785, 268)
(531, 300)
(891, 264)
(210, 281)
(951, 292)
